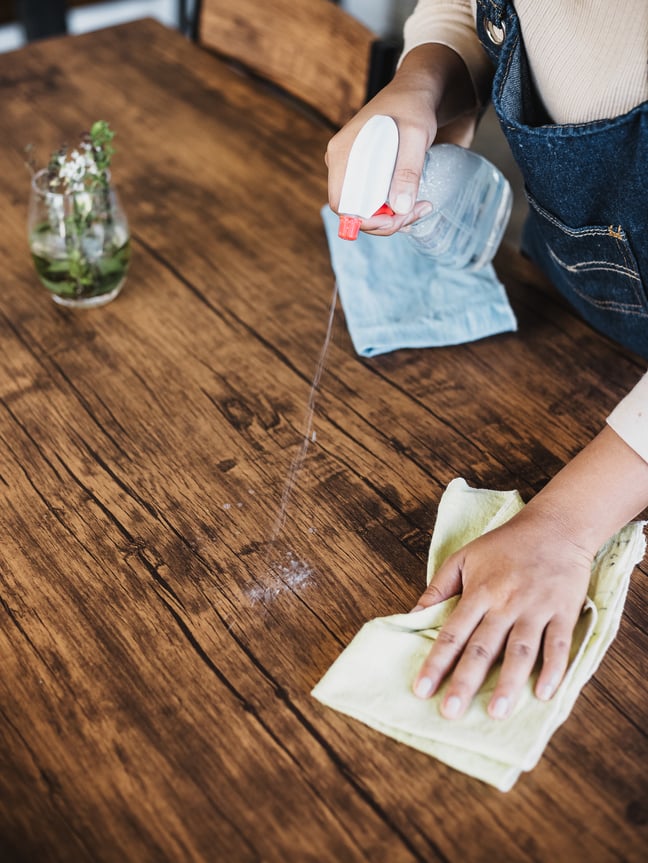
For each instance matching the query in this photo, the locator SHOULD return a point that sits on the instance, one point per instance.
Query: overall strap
(493, 19)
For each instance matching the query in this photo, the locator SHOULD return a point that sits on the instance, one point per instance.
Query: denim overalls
(587, 186)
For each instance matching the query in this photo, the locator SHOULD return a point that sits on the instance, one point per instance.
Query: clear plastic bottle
(471, 202)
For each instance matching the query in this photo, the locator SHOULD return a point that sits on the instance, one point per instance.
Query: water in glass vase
(76, 276)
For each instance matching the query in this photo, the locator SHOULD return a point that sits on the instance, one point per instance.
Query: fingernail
(500, 709)
(424, 209)
(547, 690)
(403, 203)
(416, 608)
(451, 707)
(423, 687)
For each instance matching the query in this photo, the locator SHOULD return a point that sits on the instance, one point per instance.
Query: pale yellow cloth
(372, 679)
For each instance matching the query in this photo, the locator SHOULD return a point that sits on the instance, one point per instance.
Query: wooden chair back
(312, 49)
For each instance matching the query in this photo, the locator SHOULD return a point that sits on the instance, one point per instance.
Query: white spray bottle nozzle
(368, 173)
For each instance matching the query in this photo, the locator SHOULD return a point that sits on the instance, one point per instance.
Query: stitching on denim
(592, 266)
(507, 70)
(629, 271)
(620, 243)
(624, 247)
(496, 7)
(612, 305)
(570, 130)
(589, 231)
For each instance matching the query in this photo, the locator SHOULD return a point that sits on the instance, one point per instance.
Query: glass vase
(79, 241)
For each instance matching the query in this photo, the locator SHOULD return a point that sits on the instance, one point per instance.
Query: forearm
(595, 494)
(439, 72)
(451, 23)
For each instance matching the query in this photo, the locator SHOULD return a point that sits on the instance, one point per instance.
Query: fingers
(468, 647)
(472, 647)
(522, 647)
(557, 644)
(449, 646)
(386, 225)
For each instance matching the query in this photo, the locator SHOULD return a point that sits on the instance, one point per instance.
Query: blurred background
(385, 17)
(21, 19)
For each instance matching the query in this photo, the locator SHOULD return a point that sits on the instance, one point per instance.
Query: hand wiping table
(372, 679)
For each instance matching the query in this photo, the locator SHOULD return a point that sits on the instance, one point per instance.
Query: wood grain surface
(158, 649)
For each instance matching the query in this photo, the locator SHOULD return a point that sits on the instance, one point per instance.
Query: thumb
(445, 582)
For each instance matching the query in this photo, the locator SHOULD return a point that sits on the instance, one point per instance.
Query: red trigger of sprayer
(385, 210)
(350, 225)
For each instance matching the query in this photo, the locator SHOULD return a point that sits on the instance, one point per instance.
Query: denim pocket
(594, 263)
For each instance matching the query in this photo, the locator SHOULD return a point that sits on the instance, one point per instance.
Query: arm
(431, 88)
(523, 585)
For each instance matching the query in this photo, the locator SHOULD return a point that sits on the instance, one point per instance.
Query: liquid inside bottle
(472, 203)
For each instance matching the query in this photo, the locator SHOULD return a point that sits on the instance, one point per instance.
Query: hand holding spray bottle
(471, 198)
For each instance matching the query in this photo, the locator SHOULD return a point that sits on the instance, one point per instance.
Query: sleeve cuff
(629, 419)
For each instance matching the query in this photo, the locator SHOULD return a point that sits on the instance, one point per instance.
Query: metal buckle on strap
(495, 33)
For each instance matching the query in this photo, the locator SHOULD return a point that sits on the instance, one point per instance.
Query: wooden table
(157, 648)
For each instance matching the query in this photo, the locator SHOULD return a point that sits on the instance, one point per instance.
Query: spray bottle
(471, 198)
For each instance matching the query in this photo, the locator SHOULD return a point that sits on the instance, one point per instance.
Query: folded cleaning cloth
(372, 679)
(394, 297)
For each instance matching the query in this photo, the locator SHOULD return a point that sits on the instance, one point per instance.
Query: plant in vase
(78, 233)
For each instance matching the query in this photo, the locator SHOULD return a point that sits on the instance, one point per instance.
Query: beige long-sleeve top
(589, 61)
(588, 58)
